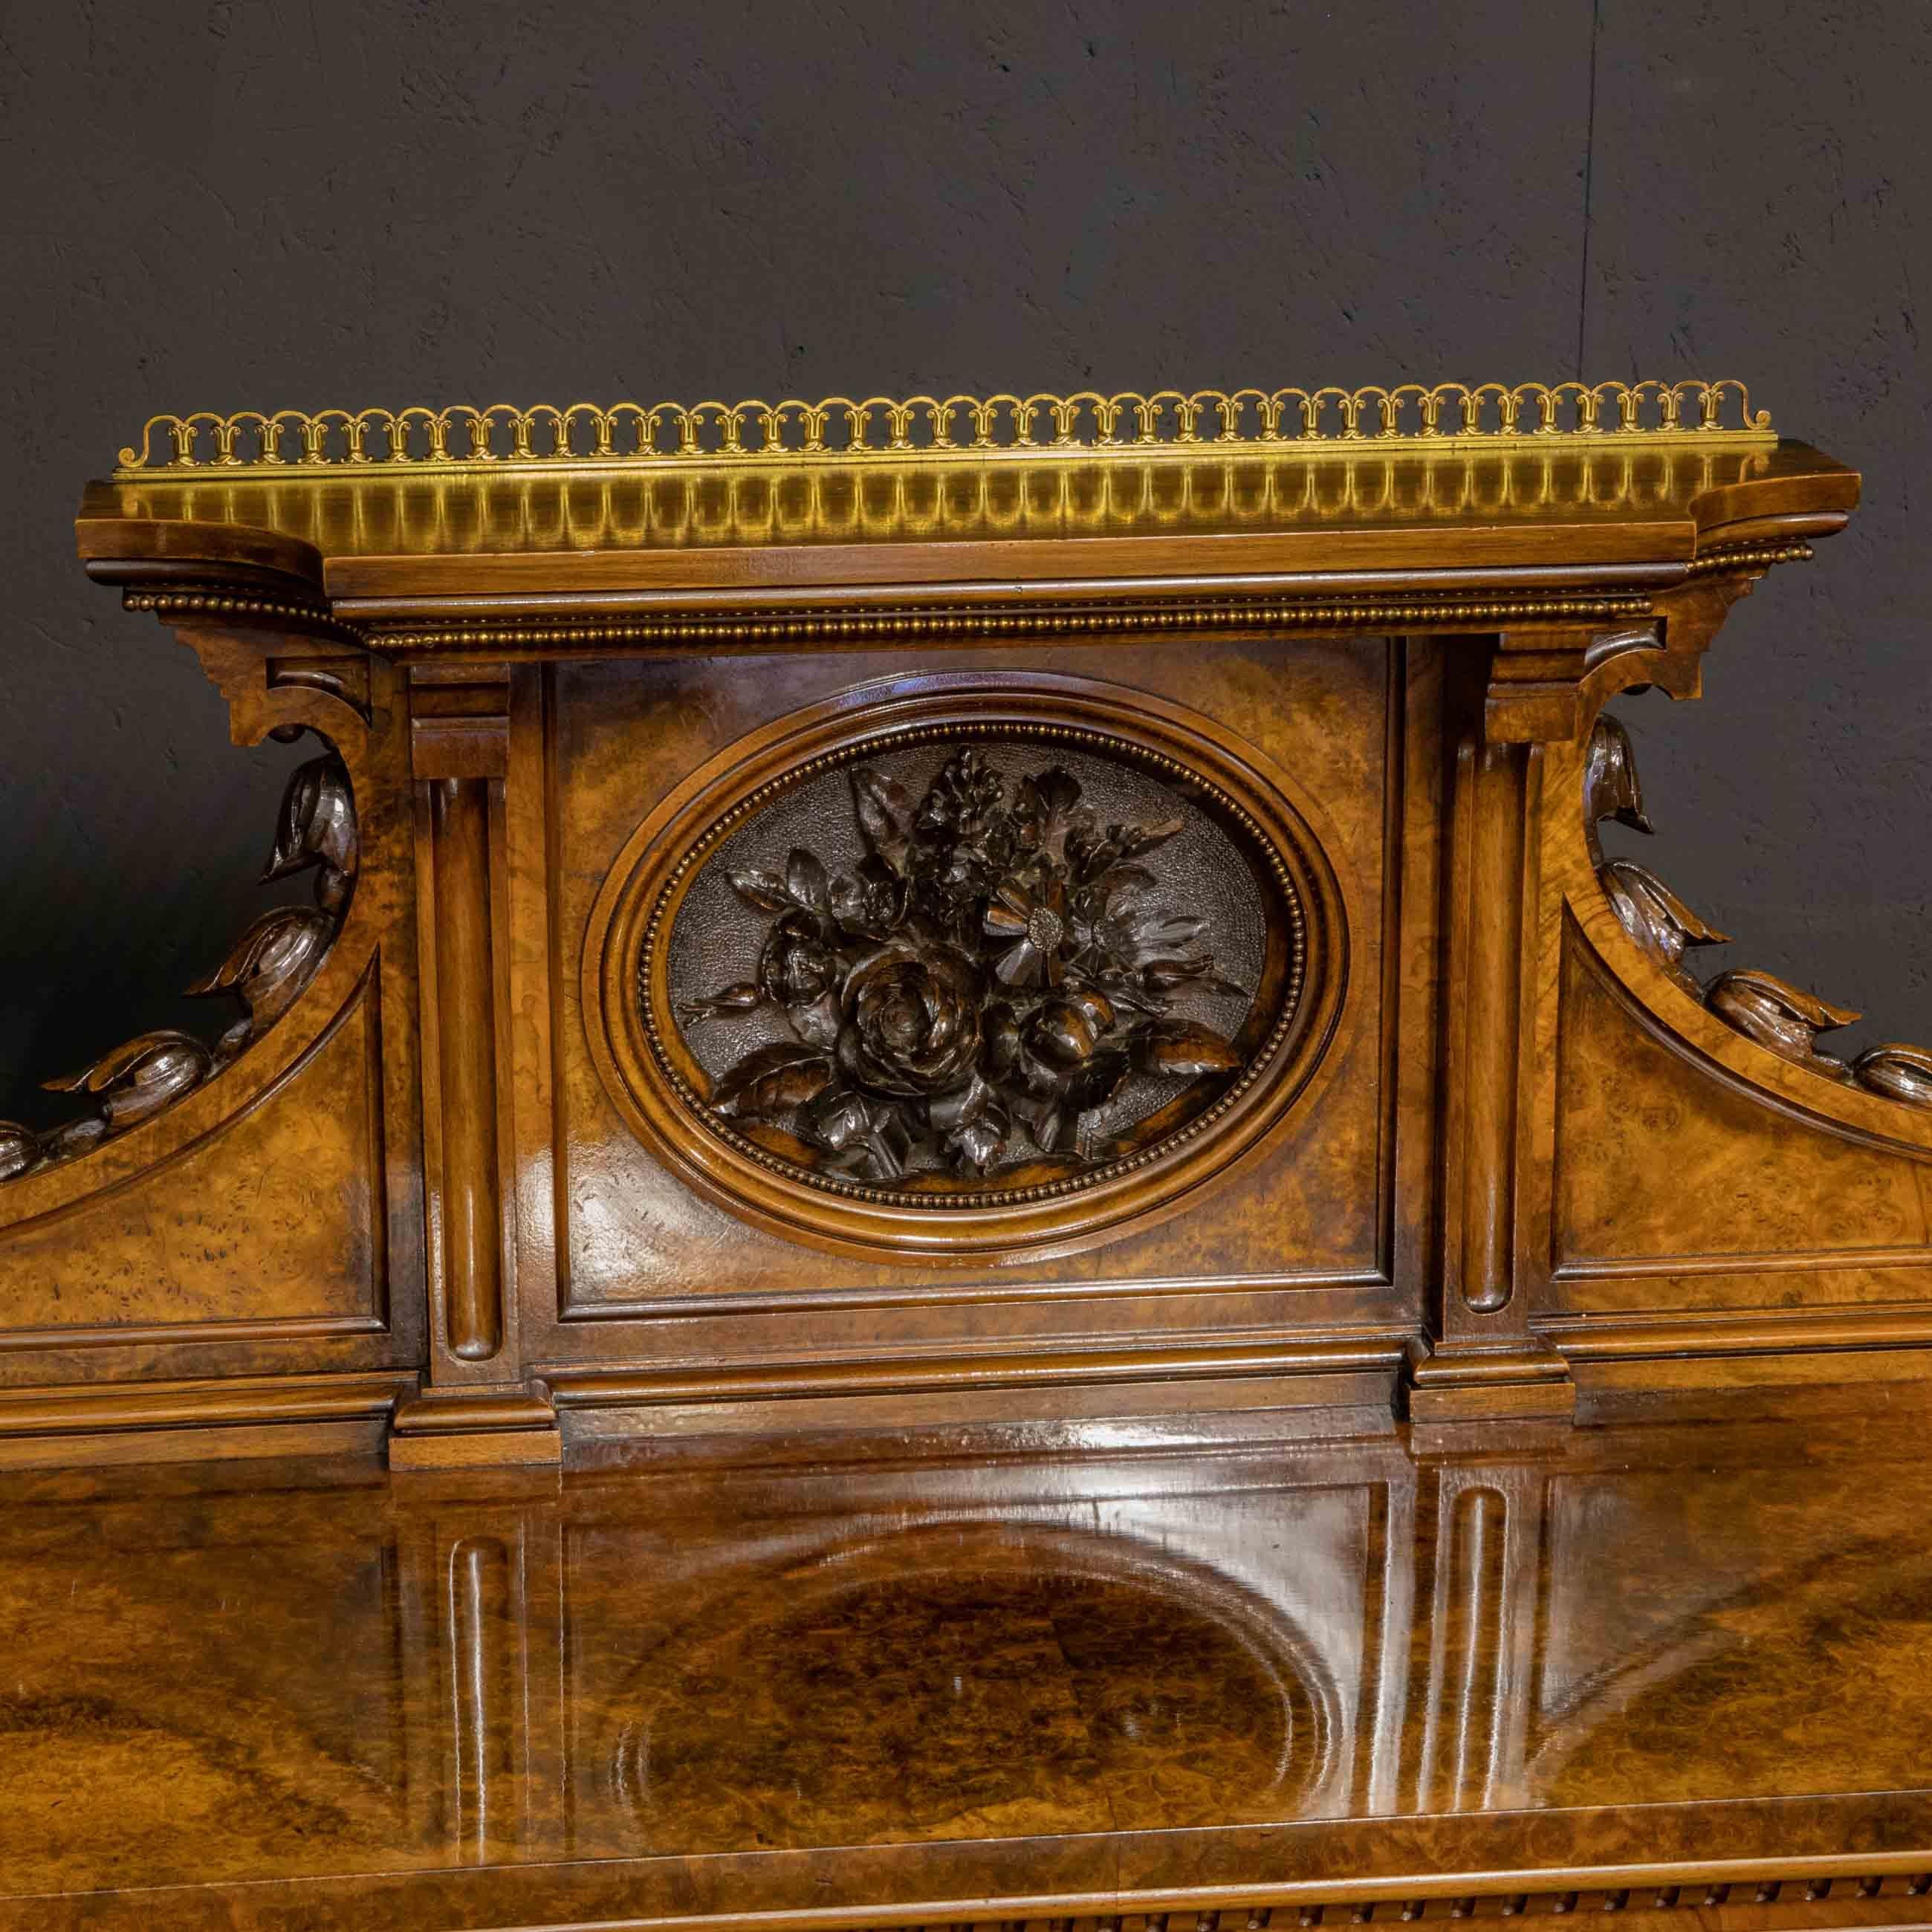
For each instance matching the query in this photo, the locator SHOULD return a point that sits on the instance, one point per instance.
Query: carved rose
(912, 1019)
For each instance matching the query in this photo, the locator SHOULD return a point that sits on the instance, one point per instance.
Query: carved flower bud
(1781, 1016)
(140, 1077)
(1063, 1032)
(19, 1149)
(271, 963)
(797, 967)
(1900, 1072)
(318, 828)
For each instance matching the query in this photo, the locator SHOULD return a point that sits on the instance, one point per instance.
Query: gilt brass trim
(463, 439)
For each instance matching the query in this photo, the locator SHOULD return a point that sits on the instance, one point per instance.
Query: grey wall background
(291, 202)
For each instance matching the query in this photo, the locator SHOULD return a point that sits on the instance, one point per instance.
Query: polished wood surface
(1662, 1672)
(691, 1044)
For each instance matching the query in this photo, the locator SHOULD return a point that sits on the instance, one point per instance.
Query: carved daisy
(1032, 928)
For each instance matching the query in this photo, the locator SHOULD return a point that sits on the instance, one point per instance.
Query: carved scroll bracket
(1548, 680)
(274, 688)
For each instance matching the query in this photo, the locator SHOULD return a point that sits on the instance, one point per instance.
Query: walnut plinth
(855, 923)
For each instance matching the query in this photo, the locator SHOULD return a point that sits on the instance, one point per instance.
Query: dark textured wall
(288, 202)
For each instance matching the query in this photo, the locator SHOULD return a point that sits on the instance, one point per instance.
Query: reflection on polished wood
(974, 1203)
(1623, 1670)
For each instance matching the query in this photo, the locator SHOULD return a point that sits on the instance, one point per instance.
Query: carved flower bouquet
(993, 971)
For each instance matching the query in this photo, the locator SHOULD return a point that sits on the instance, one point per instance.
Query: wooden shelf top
(381, 541)
(1633, 1666)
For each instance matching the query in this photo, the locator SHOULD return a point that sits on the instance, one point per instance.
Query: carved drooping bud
(266, 971)
(1899, 1071)
(1658, 919)
(1778, 1016)
(140, 1077)
(269, 965)
(19, 1149)
(318, 828)
(1610, 787)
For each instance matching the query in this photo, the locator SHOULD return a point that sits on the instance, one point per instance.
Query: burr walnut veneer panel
(1009, 1025)
(856, 923)
(1601, 1674)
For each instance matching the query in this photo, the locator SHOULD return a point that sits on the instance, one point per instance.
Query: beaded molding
(1058, 620)
(1100, 743)
(837, 429)
(1750, 556)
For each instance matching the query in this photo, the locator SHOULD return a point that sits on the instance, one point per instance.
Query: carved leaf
(1162, 975)
(806, 881)
(837, 1117)
(1055, 1128)
(882, 803)
(1610, 788)
(1134, 840)
(818, 1022)
(765, 890)
(868, 1136)
(961, 1107)
(1184, 1047)
(771, 1079)
(1176, 931)
(1097, 1082)
(975, 1148)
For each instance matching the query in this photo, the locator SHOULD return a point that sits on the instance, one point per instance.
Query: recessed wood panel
(1003, 1030)
(1673, 1178)
(277, 1221)
(1308, 1204)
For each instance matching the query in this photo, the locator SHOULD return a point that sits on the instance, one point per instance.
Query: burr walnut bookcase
(866, 920)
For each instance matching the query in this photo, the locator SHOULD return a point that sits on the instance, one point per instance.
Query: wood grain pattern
(270, 1217)
(1353, 1681)
(1382, 670)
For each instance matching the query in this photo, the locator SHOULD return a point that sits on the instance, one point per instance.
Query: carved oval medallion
(985, 968)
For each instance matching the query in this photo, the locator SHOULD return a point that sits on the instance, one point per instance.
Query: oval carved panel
(987, 965)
